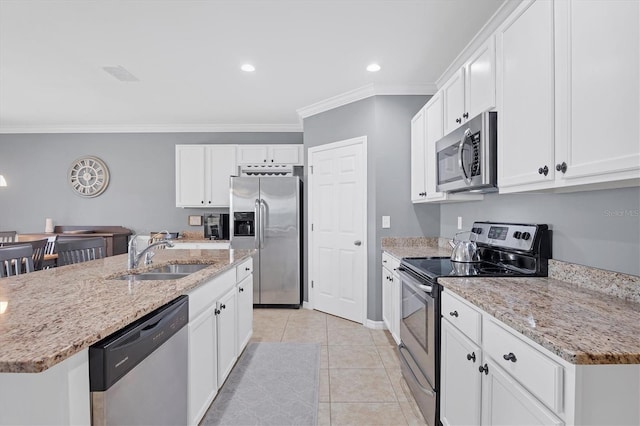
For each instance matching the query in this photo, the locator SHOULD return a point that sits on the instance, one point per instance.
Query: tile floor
(360, 378)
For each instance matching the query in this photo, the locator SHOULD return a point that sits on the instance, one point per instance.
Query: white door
(338, 244)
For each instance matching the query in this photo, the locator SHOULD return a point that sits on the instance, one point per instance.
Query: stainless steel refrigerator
(265, 214)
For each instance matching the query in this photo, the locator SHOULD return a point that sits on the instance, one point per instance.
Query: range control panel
(505, 235)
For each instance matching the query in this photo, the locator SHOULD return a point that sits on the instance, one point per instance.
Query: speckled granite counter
(580, 325)
(50, 315)
(400, 247)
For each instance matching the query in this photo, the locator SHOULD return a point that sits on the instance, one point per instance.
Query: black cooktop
(433, 268)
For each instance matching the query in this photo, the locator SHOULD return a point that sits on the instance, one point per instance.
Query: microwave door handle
(463, 172)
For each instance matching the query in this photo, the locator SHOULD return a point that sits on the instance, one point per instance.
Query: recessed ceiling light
(373, 67)
(248, 68)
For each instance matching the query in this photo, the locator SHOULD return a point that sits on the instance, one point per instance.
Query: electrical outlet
(386, 221)
(459, 222)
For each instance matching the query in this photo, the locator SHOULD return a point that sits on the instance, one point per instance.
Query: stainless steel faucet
(133, 257)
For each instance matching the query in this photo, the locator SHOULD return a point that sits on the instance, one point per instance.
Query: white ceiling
(187, 56)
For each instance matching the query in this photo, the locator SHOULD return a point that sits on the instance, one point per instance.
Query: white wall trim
(376, 325)
(154, 128)
(307, 305)
(363, 93)
(481, 36)
(360, 140)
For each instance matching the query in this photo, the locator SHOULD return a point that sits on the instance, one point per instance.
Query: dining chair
(38, 247)
(14, 258)
(80, 250)
(7, 236)
(50, 255)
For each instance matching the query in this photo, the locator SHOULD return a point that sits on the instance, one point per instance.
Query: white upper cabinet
(202, 175)
(568, 96)
(598, 88)
(270, 154)
(472, 89)
(418, 157)
(525, 96)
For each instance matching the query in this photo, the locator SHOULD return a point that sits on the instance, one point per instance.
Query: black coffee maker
(216, 226)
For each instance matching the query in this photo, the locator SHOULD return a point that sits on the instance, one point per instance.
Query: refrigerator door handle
(263, 221)
(256, 218)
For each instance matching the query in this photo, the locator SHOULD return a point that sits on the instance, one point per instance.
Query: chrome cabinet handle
(484, 369)
(454, 314)
(357, 242)
(471, 356)
(510, 357)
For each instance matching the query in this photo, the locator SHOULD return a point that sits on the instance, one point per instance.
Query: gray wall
(595, 228)
(385, 120)
(141, 192)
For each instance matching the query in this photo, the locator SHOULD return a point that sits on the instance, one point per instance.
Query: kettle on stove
(465, 251)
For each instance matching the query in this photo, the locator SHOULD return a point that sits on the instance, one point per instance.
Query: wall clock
(88, 176)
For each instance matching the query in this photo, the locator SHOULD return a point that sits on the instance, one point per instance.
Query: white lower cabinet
(391, 295)
(203, 368)
(226, 327)
(220, 326)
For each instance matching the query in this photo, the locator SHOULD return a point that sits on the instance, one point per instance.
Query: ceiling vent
(266, 170)
(121, 73)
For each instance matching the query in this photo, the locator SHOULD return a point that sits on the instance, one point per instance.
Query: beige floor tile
(360, 385)
(382, 338)
(324, 414)
(349, 336)
(305, 335)
(412, 413)
(337, 322)
(307, 318)
(324, 385)
(389, 356)
(367, 414)
(324, 357)
(400, 388)
(273, 314)
(354, 357)
(261, 334)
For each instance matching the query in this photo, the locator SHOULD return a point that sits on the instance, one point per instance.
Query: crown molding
(363, 93)
(155, 128)
(481, 36)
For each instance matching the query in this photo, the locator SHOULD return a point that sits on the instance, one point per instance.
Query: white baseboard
(376, 325)
(307, 305)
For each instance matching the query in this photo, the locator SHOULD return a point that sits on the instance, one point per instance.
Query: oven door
(419, 342)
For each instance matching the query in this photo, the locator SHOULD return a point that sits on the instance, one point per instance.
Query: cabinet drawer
(534, 370)
(464, 317)
(390, 262)
(244, 269)
(202, 297)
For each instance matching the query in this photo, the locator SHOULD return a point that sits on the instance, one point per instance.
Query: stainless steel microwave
(466, 157)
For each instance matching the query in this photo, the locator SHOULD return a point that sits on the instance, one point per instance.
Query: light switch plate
(386, 221)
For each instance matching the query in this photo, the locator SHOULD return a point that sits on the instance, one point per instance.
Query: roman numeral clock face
(88, 176)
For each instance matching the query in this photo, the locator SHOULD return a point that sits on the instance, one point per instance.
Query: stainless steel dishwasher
(138, 375)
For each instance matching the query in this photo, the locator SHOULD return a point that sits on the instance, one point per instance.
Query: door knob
(357, 242)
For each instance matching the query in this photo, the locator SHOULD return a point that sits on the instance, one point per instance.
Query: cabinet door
(526, 96)
(203, 381)
(599, 53)
(395, 307)
(387, 298)
(505, 402)
(252, 154)
(461, 385)
(285, 154)
(453, 95)
(480, 84)
(190, 175)
(226, 327)
(245, 312)
(418, 158)
(434, 131)
(221, 166)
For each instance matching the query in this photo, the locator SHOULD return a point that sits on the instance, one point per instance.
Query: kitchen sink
(180, 269)
(152, 276)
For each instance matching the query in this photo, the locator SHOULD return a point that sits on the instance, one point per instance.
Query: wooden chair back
(38, 247)
(14, 258)
(7, 236)
(80, 250)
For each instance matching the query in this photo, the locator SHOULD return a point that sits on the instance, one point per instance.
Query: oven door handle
(413, 282)
(429, 392)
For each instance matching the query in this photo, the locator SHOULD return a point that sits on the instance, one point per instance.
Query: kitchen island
(49, 318)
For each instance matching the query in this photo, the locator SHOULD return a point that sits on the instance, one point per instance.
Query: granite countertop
(49, 315)
(580, 325)
(416, 247)
(199, 240)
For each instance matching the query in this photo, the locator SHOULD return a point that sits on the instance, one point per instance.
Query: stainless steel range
(504, 250)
